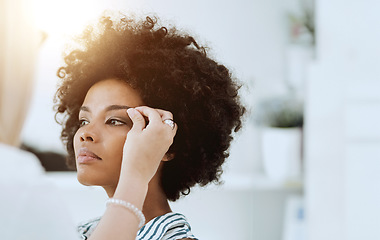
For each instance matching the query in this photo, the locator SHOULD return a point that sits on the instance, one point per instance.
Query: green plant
(282, 112)
(303, 23)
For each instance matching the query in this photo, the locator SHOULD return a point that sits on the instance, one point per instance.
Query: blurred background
(306, 164)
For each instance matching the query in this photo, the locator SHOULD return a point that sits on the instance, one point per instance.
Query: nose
(87, 136)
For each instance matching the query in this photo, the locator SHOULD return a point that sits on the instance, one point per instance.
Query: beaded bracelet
(130, 207)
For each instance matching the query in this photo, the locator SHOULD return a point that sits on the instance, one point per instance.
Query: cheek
(114, 149)
(117, 147)
(76, 141)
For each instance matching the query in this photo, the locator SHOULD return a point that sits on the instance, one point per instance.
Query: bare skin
(125, 155)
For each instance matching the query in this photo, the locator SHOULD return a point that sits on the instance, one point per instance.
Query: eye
(115, 122)
(83, 122)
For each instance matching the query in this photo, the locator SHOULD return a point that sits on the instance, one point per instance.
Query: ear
(168, 157)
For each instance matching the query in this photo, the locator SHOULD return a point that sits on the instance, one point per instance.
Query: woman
(147, 116)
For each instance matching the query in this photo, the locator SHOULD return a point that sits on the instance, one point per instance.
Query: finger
(175, 128)
(168, 116)
(137, 119)
(153, 115)
(170, 123)
(165, 114)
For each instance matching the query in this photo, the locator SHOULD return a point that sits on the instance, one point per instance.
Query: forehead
(112, 92)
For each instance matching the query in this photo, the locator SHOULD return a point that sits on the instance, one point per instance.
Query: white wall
(241, 209)
(250, 37)
(342, 132)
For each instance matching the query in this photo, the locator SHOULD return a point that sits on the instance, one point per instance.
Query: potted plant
(281, 121)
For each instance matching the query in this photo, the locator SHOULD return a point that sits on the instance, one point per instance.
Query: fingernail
(131, 112)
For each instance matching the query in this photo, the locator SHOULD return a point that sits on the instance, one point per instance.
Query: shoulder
(171, 226)
(17, 163)
(85, 229)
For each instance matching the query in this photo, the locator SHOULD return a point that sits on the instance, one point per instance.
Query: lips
(86, 156)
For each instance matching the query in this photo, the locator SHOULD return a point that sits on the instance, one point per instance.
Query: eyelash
(111, 121)
(120, 123)
(81, 121)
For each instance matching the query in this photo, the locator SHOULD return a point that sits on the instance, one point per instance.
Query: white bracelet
(130, 207)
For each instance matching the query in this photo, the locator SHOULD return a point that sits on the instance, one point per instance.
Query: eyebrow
(109, 108)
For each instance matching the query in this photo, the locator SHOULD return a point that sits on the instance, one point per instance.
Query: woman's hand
(144, 148)
(146, 145)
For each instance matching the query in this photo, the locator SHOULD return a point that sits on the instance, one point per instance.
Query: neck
(155, 204)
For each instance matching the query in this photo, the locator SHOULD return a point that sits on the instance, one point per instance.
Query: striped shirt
(171, 226)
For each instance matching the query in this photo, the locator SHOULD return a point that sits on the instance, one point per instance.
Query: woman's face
(98, 143)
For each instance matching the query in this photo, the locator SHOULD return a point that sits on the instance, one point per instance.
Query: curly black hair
(171, 72)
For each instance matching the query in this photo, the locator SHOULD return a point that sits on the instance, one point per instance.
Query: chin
(93, 178)
(87, 178)
(82, 179)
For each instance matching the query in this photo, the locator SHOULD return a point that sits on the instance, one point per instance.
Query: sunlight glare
(61, 18)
